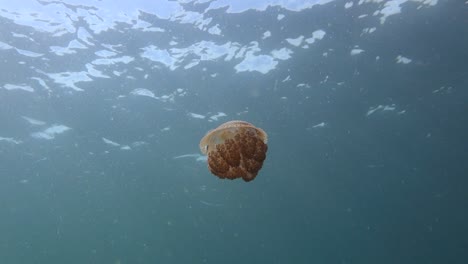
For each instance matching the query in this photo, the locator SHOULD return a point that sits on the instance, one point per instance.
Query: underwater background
(103, 104)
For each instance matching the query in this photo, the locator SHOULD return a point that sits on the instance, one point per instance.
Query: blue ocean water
(103, 105)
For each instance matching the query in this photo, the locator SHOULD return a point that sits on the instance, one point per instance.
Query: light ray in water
(211, 204)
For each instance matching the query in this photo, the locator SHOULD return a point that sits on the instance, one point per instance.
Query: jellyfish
(235, 149)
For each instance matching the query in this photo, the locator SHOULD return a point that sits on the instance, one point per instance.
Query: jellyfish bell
(227, 131)
(235, 149)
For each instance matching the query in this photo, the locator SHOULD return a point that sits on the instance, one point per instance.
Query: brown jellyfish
(235, 149)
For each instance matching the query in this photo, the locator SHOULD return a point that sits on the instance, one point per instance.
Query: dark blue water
(103, 105)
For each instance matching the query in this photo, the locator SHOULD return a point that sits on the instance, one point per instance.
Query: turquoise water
(103, 105)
